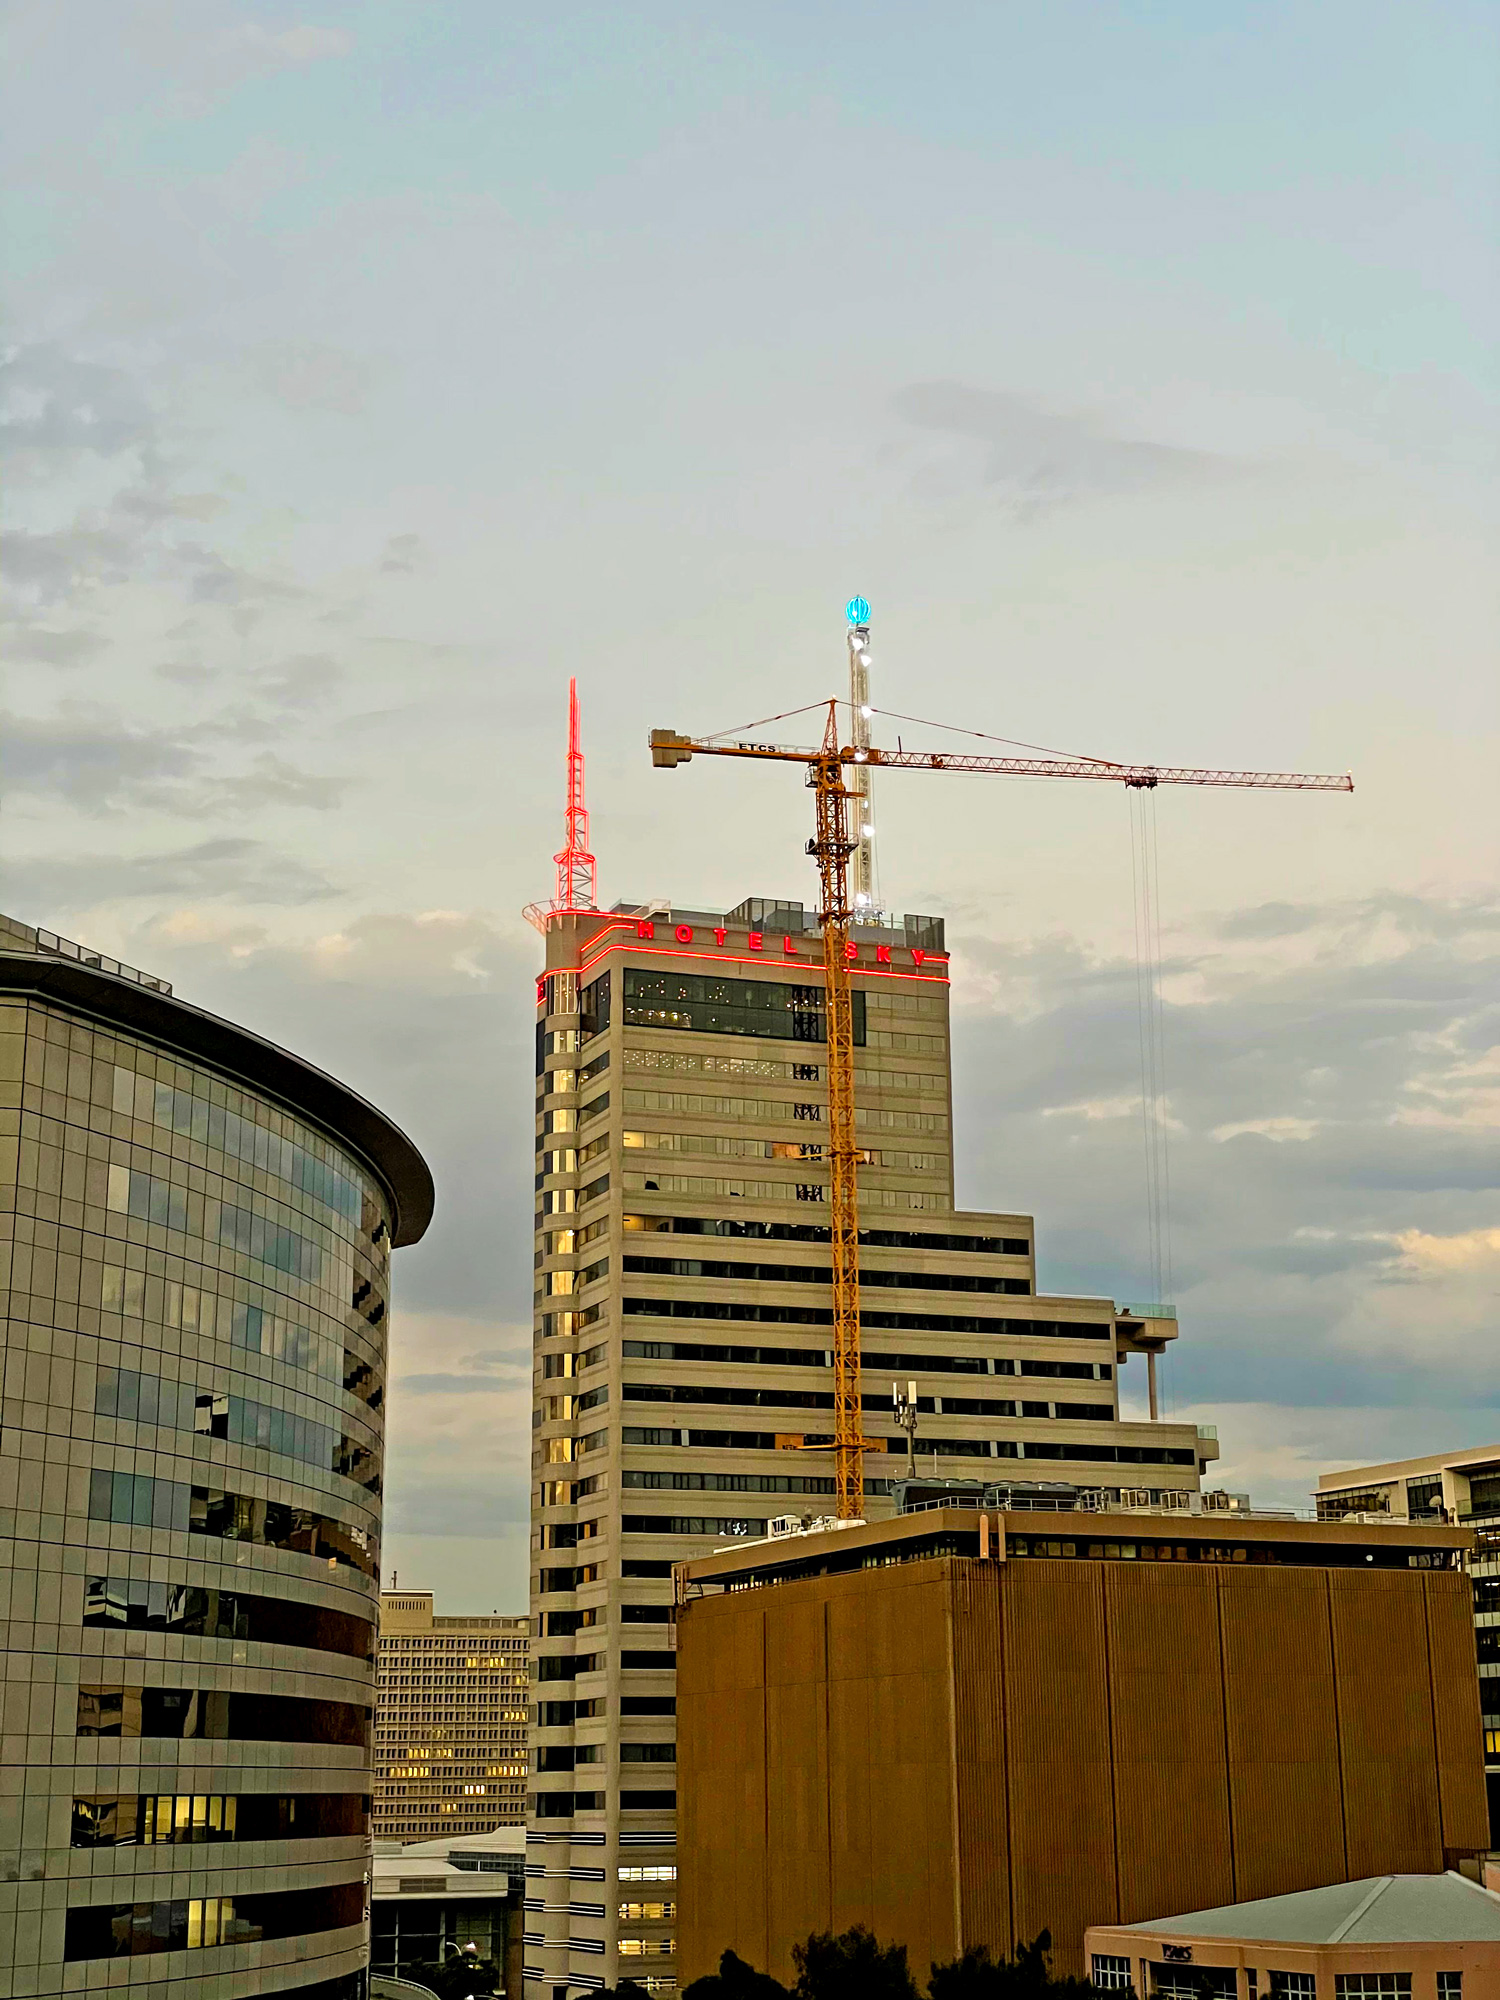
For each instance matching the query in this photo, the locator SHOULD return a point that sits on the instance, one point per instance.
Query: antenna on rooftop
(576, 885)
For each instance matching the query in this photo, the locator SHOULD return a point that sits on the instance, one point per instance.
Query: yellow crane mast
(829, 768)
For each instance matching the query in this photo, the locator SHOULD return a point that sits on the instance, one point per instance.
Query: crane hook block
(668, 749)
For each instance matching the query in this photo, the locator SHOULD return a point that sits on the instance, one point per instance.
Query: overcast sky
(373, 367)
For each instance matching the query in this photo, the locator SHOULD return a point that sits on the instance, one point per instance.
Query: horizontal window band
(894, 1322)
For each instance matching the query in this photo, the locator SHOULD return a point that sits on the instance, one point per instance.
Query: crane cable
(1145, 872)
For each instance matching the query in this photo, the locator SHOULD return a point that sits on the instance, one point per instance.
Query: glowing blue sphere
(857, 611)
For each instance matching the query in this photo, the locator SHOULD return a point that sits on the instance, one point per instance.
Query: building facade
(1452, 1486)
(964, 1728)
(197, 1233)
(683, 1378)
(450, 1721)
(434, 1899)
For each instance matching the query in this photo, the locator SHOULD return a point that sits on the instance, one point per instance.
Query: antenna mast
(576, 886)
(866, 904)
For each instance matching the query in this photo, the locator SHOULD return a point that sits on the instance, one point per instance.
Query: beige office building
(683, 1380)
(450, 1721)
(1461, 1486)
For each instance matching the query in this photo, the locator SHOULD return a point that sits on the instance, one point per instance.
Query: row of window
(149, 1198)
(563, 1805)
(215, 1715)
(124, 1394)
(1171, 1981)
(136, 1499)
(225, 1131)
(711, 1395)
(564, 1756)
(129, 1930)
(894, 1322)
(568, 1666)
(821, 1274)
(563, 1714)
(816, 1357)
(813, 1232)
(179, 1819)
(191, 1611)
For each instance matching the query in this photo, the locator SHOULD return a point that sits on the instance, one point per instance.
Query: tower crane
(834, 771)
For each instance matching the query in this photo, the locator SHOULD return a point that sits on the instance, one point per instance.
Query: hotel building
(683, 1375)
(195, 1243)
(450, 1721)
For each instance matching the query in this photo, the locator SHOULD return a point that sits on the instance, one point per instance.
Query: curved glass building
(197, 1230)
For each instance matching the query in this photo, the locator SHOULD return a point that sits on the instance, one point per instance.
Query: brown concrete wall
(957, 1752)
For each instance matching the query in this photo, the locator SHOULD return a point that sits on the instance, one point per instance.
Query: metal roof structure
(1381, 1910)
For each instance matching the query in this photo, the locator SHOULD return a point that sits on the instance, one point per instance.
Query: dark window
(180, 1819)
(704, 1005)
(135, 1499)
(736, 1482)
(653, 1662)
(633, 1566)
(815, 1232)
(648, 1801)
(127, 1930)
(820, 1274)
(648, 1704)
(214, 1715)
(893, 1322)
(594, 1006)
(196, 1613)
(648, 1753)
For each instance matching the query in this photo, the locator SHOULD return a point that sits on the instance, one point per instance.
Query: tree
(735, 1980)
(853, 1966)
(1025, 1975)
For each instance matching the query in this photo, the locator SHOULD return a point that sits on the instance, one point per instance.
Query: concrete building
(1396, 1937)
(197, 1231)
(431, 1899)
(450, 1721)
(683, 1382)
(963, 1728)
(1453, 1486)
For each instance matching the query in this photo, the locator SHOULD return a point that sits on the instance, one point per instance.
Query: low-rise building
(1387, 1937)
(962, 1727)
(450, 1724)
(432, 1899)
(1459, 1486)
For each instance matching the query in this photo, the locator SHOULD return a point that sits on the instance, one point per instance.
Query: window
(1293, 1985)
(1450, 1986)
(1110, 1971)
(1372, 1985)
(648, 1913)
(648, 1872)
(704, 1005)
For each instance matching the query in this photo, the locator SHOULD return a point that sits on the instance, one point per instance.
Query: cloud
(1335, 1172)
(52, 401)
(52, 647)
(306, 375)
(247, 871)
(99, 763)
(1038, 458)
(402, 555)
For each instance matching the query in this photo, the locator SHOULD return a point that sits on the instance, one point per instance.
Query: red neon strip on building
(736, 958)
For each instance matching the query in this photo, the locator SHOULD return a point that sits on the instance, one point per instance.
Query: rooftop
(1382, 1909)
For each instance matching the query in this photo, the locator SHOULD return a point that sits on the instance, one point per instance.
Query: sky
(371, 369)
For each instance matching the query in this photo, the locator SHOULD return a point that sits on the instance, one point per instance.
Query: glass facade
(195, 1279)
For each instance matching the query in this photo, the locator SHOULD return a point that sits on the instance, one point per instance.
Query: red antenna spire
(576, 885)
